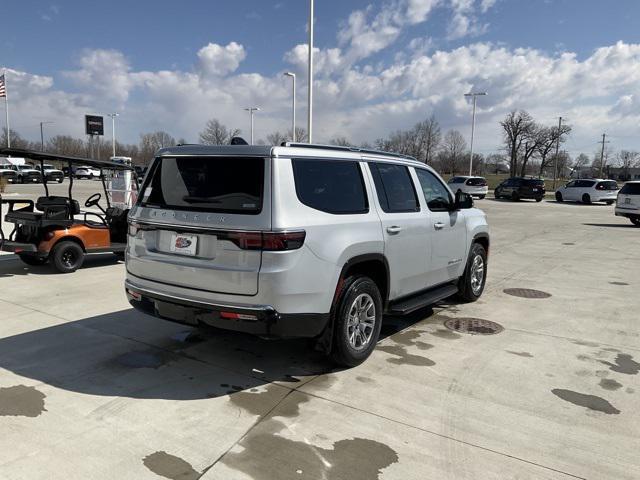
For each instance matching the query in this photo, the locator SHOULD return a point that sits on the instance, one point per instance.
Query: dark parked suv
(517, 188)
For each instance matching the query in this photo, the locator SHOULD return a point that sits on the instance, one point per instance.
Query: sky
(380, 66)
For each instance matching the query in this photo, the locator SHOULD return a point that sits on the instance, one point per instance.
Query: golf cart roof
(42, 156)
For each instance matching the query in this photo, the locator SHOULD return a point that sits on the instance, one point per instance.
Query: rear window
(608, 185)
(457, 180)
(211, 184)
(477, 182)
(332, 186)
(533, 182)
(631, 189)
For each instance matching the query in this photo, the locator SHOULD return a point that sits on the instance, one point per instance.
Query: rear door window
(607, 185)
(332, 186)
(477, 182)
(394, 187)
(631, 189)
(211, 184)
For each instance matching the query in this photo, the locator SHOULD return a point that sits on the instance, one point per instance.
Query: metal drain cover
(474, 326)
(526, 293)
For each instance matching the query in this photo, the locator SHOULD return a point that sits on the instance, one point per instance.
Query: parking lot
(91, 389)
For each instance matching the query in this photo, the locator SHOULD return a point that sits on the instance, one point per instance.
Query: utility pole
(251, 111)
(310, 99)
(113, 131)
(42, 135)
(473, 126)
(555, 160)
(604, 140)
(293, 113)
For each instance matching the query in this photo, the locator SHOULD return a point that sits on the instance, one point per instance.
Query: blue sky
(68, 48)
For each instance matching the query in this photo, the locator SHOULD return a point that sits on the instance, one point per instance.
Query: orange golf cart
(54, 229)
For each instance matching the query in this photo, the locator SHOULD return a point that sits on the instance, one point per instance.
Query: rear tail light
(599, 187)
(268, 241)
(238, 316)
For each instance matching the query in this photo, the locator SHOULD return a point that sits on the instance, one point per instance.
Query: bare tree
(152, 142)
(626, 160)
(341, 142)
(549, 137)
(517, 126)
(496, 163)
(215, 133)
(430, 138)
(276, 138)
(16, 140)
(453, 152)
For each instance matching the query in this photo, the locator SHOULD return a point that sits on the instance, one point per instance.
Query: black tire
(90, 177)
(635, 221)
(496, 194)
(60, 180)
(515, 197)
(586, 198)
(32, 260)
(344, 352)
(559, 198)
(538, 199)
(610, 202)
(469, 290)
(67, 256)
(119, 256)
(481, 197)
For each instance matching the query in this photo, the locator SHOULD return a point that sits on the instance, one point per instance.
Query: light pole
(42, 134)
(293, 113)
(473, 125)
(310, 106)
(113, 131)
(252, 110)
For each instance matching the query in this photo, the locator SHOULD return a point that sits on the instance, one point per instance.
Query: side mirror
(463, 201)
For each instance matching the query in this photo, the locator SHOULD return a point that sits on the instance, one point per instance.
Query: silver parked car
(300, 241)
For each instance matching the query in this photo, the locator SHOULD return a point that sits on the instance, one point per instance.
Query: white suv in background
(589, 191)
(475, 186)
(300, 241)
(628, 204)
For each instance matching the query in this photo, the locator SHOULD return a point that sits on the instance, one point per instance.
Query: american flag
(3, 88)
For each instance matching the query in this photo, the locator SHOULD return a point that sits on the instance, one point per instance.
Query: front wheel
(357, 321)
(635, 221)
(481, 197)
(471, 284)
(610, 202)
(586, 198)
(515, 197)
(559, 198)
(496, 194)
(67, 257)
(60, 180)
(538, 199)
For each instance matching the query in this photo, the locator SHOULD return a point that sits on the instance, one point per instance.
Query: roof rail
(340, 148)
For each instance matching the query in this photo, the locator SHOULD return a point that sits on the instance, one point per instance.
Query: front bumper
(261, 320)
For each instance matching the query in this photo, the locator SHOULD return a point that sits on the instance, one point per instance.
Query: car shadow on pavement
(129, 354)
(612, 225)
(12, 265)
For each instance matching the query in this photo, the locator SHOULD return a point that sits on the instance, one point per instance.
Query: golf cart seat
(56, 211)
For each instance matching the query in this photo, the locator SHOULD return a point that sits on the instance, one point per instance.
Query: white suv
(628, 204)
(474, 186)
(588, 191)
(300, 241)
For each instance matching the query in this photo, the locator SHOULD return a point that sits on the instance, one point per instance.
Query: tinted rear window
(330, 186)
(457, 180)
(220, 184)
(631, 189)
(533, 182)
(477, 182)
(608, 185)
(394, 187)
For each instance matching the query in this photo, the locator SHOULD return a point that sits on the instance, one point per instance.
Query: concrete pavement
(90, 389)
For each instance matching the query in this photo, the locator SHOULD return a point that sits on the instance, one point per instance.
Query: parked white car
(588, 191)
(300, 241)
(628, 204)
(87, 172)
(474, 186)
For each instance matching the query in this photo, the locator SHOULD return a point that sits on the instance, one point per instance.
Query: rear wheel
(635, 221)
(471, 284)
(496, 194)
(610, 202)
(67, 257)
(559, 197)
(357, 321)
(586, 198)
(538, 199)
(481, 197)
(515, 197)
(32, 260)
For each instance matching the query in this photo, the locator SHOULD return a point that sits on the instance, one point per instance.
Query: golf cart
(55, 230)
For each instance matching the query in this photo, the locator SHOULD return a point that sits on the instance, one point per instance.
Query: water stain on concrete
(21, 401)
(583, 373)
(624, 364)
(585, 343)
(520, 354)
(630, 390)
(591, 402)
(611, 349)
(405, 358)
(266, 456)
(621, 284)
(170, 466)
(602, 373)
(409, 338)
(609, 384)
(141, 360)
(365, 379)
(258, 403)
(446, 334)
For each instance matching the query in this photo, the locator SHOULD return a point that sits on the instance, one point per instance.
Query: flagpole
(6, 108)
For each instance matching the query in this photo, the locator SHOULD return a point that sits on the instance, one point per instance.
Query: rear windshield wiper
(190, 199)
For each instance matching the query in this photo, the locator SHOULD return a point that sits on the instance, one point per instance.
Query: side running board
(406, 306)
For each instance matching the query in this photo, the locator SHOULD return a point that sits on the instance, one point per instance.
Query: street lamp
(310, 106)
(42, 135)
(113, 131)
(473, 125)
(293, 113)
(252, 110)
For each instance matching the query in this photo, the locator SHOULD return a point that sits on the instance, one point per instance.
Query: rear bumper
(261, 320)
(627, 212)
(17, 247)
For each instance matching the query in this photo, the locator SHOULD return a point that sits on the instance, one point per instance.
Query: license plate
(184, 244)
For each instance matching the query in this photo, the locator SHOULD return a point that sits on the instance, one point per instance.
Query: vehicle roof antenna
(238, 141)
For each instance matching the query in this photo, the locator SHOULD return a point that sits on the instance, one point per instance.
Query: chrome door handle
(393, 230)
(438, 225)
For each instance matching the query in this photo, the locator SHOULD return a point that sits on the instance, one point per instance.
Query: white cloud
(216, 60)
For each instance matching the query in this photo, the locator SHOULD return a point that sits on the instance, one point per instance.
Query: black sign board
(94, 125)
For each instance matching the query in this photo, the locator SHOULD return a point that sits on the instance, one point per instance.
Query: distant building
(623, 174)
